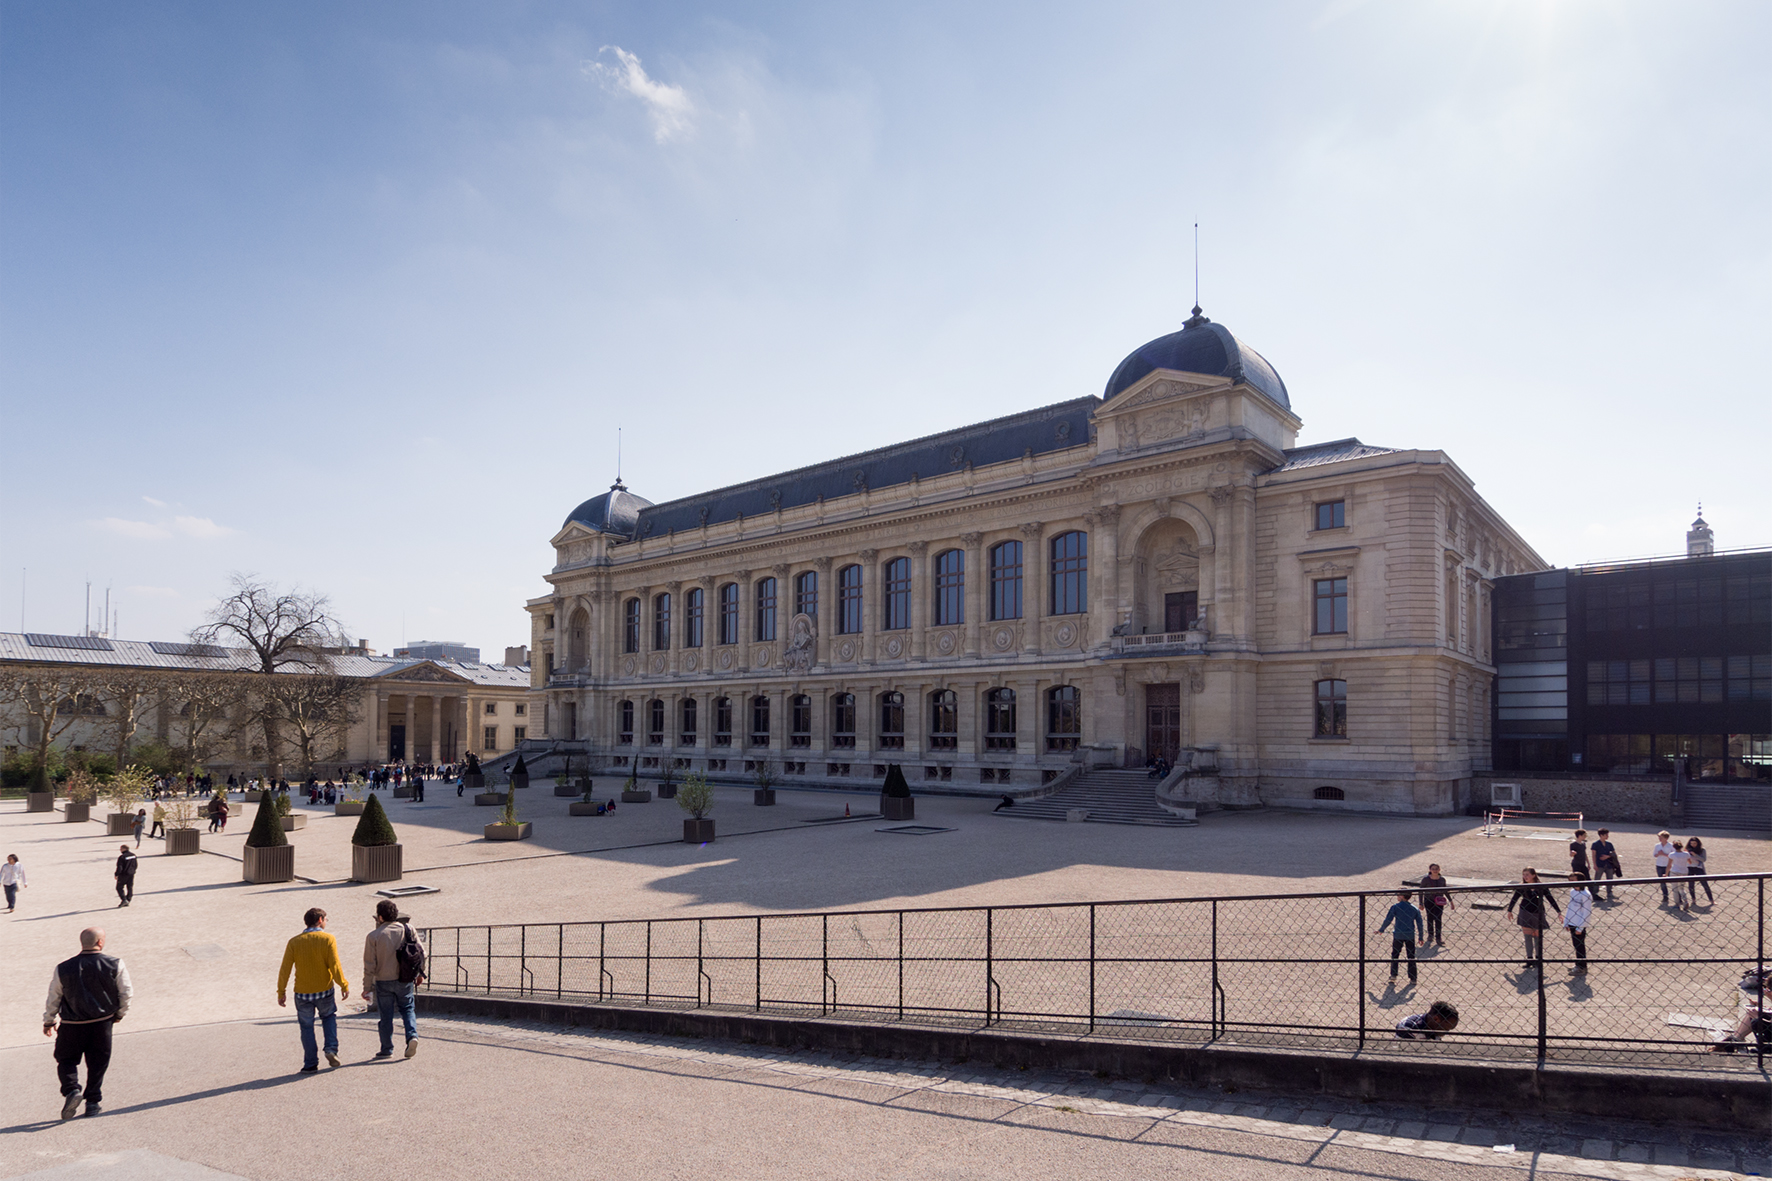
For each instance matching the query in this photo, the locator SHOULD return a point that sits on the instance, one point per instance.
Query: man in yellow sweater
(314, 956)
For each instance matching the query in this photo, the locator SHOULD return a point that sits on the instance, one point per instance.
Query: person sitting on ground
(1755, 1019)
(1440, 1018)
(1008, 802)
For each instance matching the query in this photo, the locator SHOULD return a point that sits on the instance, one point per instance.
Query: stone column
(871, 603)
(674, 636)
(1226, 556)
(920, 599)
(784, 611)
(436, 730)
(1105, 563)
(747, 622)
(866, 723)
(1033, 585)
(827, 612)
(977, 587)
(710, 623)
(383, 699)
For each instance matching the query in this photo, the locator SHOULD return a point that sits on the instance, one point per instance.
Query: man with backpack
(393, 965)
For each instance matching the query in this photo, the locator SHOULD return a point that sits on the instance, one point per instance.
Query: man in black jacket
(125, 876)
(87, 995)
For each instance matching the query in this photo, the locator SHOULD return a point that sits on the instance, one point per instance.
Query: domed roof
(616, 511)
(1200, 347)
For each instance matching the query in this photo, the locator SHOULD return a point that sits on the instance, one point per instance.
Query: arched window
(1064, 718)
(944, 720)
(729, 613)
(849, 601)
(722, 721)
(1006, 580)
(1070, 573)
(999, 719)
(800, 720)
(896, 575)
(843, 720)
(765, 609)
(655, 722)
(578, 647)
(686, 732)
(630, 626)
(625, 720)
(1331, 709)
(661, 623)
(760, 720)
(806, 594)
(694, 607)
(950, 587)
(891, 736)
(1329, 793)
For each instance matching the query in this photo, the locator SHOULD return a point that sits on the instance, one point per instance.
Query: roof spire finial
(618, 484)
(1196, 319)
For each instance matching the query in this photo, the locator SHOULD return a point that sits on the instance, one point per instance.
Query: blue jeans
(392, 995)
(326, 1009)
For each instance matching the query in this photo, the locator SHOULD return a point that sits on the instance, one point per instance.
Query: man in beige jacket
(381, 977)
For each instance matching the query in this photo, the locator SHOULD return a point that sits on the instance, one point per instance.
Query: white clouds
(669, 106)
(199, 528)
(155, 503)
(138, 530)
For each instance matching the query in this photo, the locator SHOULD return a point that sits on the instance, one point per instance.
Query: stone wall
(1600, 799)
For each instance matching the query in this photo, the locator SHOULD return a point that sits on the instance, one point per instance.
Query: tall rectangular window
(686, 732)
(800, 721)
(1180, 610)
(944, 720)
(806, 594)
(843, 720)
(661, 623)
(766, 609)
(1331, 709)
(491, 738)
(1332, 514)
(760, 720)
(630, 626)
(722, 721)
(1070, 573)
(849, 601)
(896, 575)
(950, 587)
(729, 613)
(693, 610)
(1006, 580)
(1329, 599)
(655, 722)
(891, 735)
(625, 719)
(1064, 718)
(999, 719)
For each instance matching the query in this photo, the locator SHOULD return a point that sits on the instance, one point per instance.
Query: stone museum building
(1158, 571)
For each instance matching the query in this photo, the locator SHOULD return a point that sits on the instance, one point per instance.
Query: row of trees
(277, 692)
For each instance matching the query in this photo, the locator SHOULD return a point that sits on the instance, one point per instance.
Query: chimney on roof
(1700, 542)
(516, 657)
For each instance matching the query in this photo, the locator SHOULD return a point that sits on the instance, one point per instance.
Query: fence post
(824, 924)
(759, 963)
(560, 964)
(1362, 971)
(649, 961)
(901, 965)
(990, 970)
(1092, 967)
(1216, 989)
(1760, 966)
(1539, 959)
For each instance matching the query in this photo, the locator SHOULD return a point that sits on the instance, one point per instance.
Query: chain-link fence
(1657, 980)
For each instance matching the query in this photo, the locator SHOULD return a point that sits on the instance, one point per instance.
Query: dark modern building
(1645, 667)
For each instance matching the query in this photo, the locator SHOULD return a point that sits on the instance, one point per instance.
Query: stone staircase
(1109, 796)
(1738, 806)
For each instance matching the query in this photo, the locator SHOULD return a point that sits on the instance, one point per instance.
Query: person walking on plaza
(125, 875)
(313, 956)
(1575, 920)
(141, 825)
(1679, 867)
(12, 879)
(385, 984)
(87, 995)
(1606, 864)
(1662, 851)
(1434, 904)
(1531, 898)
(1578, 853)
(418, 789)
(159, 829)
(1408, 927)
(1695, 850)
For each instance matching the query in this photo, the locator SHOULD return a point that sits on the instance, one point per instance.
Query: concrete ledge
(1717, 1100)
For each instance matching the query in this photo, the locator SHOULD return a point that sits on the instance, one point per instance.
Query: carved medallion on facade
(658, 665)
(894, 648)
(1065, 634)
(691, 662)
(628, 666)
(761, 657)
(945, 643)
(1003, 639)
(846, 650)
(802, 644)
(726, 659)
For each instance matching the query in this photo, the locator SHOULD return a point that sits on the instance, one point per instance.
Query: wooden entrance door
(572, 719)
(396, 743)
(1162, 720)
(1180, 609)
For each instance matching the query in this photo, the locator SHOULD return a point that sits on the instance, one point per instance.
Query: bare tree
(127, 694)
(46, 701)
(319, 710)
(286, 632)
(205, 705)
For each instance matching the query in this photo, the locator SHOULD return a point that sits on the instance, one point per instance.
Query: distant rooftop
(41, 648)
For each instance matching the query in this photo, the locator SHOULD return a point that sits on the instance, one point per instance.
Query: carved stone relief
(802, 644)
(1003, 638)
(946, 643)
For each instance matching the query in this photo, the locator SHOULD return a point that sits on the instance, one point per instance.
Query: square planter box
(348, 808)
(698, 832)
(260, 866)
(520, 782)
(490, 799)
(763, 797)
(667, 791)
(77, 813)
(508, 832)
(898, 807)
(566, 791)
(402, 792)
(376, 863)
(581, 808)
(119, 824)
(642, 796)
(474, 782)
(39, 801)
(250, 797)
(181, 842)
(295, 822)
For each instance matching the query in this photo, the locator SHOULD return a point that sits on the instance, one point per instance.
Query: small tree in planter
(633, 793)
(764, 796)
(519, 775)
(895, 797)
(182, 837)
(287, 816)
(268, 856)
(667, 784)
(696, 797)
(507, 827)
(350, 797)
(563, 787)
(82, 790)
(376, 855)
(126, 789)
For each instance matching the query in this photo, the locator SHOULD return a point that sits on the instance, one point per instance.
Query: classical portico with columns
(1159, 571)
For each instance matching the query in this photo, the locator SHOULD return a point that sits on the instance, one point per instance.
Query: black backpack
(410, 957)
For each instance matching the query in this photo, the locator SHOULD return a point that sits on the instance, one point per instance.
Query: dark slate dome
(1200, 347)
(616, 511)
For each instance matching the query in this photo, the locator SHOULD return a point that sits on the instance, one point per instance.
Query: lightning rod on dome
(1196, 319)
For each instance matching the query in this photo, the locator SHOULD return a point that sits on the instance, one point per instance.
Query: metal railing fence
(1298, 970)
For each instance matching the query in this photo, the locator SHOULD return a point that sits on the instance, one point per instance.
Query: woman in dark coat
(1531, 898)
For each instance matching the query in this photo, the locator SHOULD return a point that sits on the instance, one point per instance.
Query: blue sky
(354, 296)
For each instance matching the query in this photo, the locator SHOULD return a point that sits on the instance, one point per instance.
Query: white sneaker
(411, 1046)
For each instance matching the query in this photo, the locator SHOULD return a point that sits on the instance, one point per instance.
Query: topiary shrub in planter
(764, 796)
(376, 854)
(519, 775)
(82, 790)
(472, 777)
(696, 797)
(508, 827)
(182, 837)
(268, 856)
(126, 789)
(291, 820)
(667, 785)
(895, 796)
